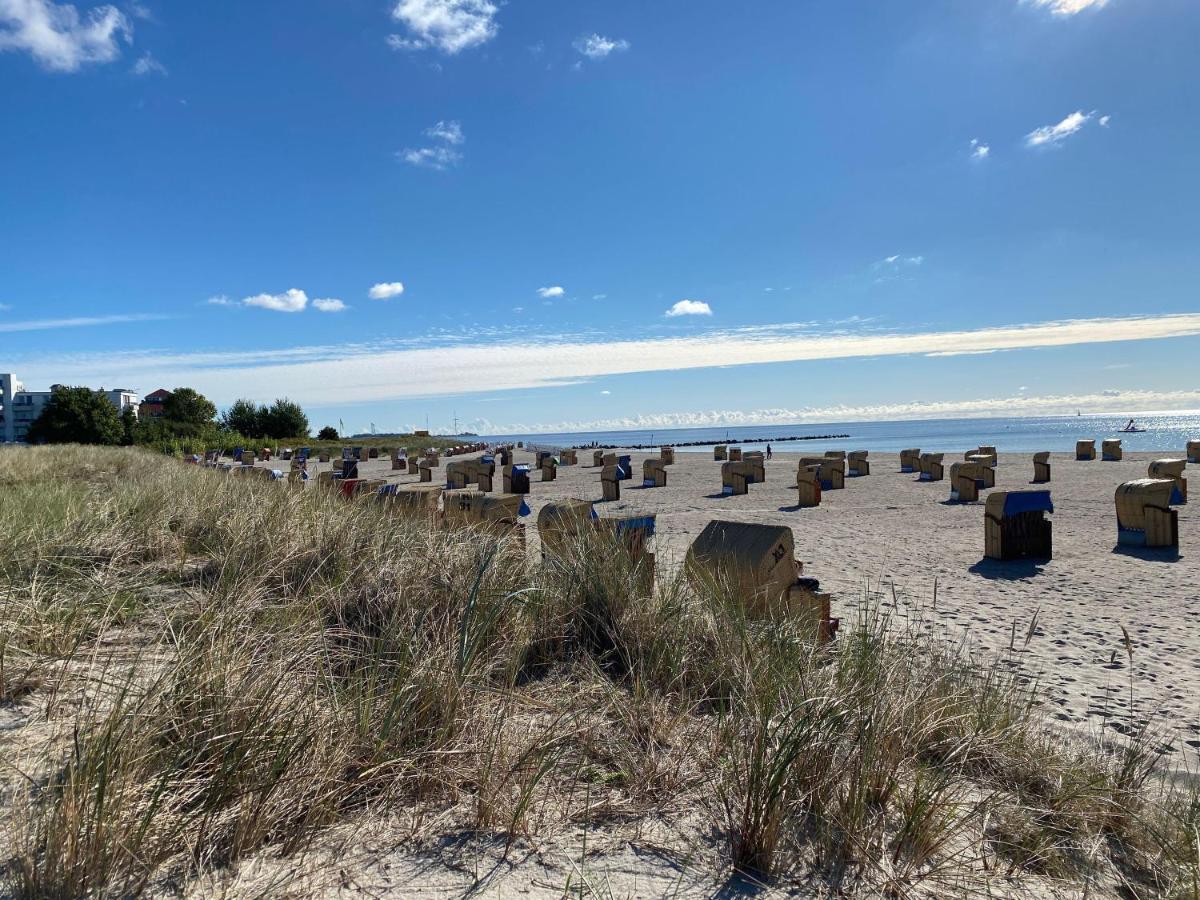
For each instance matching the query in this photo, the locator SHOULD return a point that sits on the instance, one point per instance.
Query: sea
(1166, 433)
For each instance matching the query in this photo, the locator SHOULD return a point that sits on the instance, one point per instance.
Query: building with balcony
(20, 407)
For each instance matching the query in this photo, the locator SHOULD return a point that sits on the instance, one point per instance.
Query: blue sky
(858, 210)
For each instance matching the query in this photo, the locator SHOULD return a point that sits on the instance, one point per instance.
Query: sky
(545, 216)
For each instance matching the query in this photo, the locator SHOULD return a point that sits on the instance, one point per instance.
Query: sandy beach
(889, 530)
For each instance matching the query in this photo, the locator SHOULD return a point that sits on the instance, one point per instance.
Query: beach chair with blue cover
(1110, 450)
(931, 467)
(857, 464)
(832, 471)
(970, 477)
(910, 461)
(1085, 450)
(516, 479)
(499, 514)
(654, 473)
(1016, 527)
(1172, 469)
(1144, 514)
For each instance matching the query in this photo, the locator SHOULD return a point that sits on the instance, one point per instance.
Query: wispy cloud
(443, 153)
(548, 292)
(440, 158)
(896, 267)
(595, 46)
(385, 290)
(220, 300)
(292, 300)
(979, 150)
(447, 25)
(689, 308)
(78, 322)
(1049, 135)
(329, 305)
(382, 371)
(58, 37)
(1068, 7)
(448, 131)
(148, 65)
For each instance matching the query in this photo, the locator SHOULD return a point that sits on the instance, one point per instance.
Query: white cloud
(324, 374)
(441, 155)
(690, 308)
(148, 65)
(385, 290)
(595, 46)
(1053, 134)
(329, 305)
(1104, 120)
(449, 131)
(77, 322)
(58, 37)
(897, 260)
(599, 296)
(548, 292)
(293, 300)
(1068, 7)
(439, 158)
(220, 300)
(448, 25)
(605, 393)
(979, 150)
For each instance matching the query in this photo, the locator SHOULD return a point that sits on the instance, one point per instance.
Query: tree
(187, 407)
(129, 423)
(328, 433)
(245, 417)
(284, 419)
(76, 415)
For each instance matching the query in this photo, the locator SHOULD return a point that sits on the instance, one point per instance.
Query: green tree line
(189, 422)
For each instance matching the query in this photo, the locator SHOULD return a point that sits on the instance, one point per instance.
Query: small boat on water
(1131, 428)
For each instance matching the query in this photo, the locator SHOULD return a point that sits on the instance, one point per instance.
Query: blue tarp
(524, 510)
(1027, 501)
(642, 523)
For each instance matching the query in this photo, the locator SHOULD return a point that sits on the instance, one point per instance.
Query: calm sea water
(1017, 435)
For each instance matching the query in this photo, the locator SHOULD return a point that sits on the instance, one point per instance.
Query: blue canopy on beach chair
(1027, 501)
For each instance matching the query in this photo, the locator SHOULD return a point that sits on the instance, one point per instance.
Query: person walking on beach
(768, 451)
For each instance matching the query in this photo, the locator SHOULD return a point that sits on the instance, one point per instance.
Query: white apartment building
(19, 407)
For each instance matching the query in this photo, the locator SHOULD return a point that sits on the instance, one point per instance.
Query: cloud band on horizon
(379, 372)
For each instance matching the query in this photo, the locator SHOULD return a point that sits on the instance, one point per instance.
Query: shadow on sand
(1149, 554)
(1008, 570)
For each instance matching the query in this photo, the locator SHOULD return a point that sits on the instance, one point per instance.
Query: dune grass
(228, 667)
